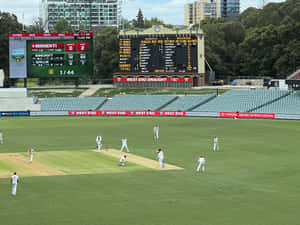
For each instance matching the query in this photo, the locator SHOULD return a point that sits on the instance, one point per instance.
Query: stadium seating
(72, 103)
(18, 104)
(287, 105)
(138, 102)
(241, 100)
(15, 99)
(13, 93)
(186, 102)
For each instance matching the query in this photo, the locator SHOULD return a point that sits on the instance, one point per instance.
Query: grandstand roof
(295, 75)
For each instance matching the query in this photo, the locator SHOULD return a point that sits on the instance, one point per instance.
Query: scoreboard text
(51, 55)
(171, 54)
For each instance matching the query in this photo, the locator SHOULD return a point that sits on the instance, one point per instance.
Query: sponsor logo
(18, 55)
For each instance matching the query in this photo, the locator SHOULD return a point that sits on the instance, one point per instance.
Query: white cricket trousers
(161, 163)
(31, 158)
(99, 146)
(124, 146)
(201, 166)
(156, 137)
(216, 146)
(14, 189)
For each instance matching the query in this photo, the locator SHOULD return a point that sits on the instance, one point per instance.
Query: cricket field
(253, 180)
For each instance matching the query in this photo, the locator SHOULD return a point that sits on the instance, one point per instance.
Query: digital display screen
(51, 55)
(59, 58)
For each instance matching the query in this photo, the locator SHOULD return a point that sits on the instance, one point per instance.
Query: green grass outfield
(253, 180)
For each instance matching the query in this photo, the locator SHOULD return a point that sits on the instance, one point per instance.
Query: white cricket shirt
(216, 140)
(201, 160)
(161, 155)
(14, 179)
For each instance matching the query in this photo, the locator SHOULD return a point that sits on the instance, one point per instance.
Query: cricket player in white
(201, 164)
(160, 156)
(124, 144)
(30, 153)
(155, 131)
(99, 142)
(14, 181)
(122, 160)
(216, 143)
(1, 137)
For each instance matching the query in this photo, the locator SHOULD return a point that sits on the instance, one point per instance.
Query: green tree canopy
(106, 53)
(63, 26)
(36, 27)
(8, 24)
(264, 42)
(140, 23)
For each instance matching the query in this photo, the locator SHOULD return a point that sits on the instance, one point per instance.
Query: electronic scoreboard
(167, 54)
(51, 55)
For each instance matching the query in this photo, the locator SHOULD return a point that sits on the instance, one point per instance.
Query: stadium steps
(103, 103)
(89, 92)
(270, 102)
(168, 103)
(202, 103)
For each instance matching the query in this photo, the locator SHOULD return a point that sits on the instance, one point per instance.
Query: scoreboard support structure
(161, 57)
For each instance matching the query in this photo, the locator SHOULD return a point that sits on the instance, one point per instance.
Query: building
(230, 9)
(199, 10)
(202, 9)
(81, 13)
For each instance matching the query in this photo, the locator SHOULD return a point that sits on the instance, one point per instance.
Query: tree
(140, 19)
(265, 42)
(8, 24)
(212, 21)
(36, 27)
(106, 53)
(153, 21)
(81, 28)
(63, 26)
(222, 46)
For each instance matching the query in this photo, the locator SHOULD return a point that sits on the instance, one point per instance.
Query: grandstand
(188, 102)
(72, 103)
(287, 105)
(138, 102)
(15, 99)
(244, 100)
(241, 100)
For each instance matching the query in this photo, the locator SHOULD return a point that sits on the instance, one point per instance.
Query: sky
(170, 11)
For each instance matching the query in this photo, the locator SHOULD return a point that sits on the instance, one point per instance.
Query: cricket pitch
(145, 162)
(54, 163)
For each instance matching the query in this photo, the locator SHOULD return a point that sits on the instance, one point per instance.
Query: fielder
(155, 131)
(122, 160)
(160, 156)
(216, 144)
(201, 165)
(99, 142)
(30, 153)
(1, 137)
(14, 180)
(124, 144)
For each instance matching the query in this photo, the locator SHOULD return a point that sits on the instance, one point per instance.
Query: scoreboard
(168, 54)
(51, 55)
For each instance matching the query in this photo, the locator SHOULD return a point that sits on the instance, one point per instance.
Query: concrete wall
(254, 82)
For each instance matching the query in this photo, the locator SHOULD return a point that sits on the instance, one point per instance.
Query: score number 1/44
(66, 72)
